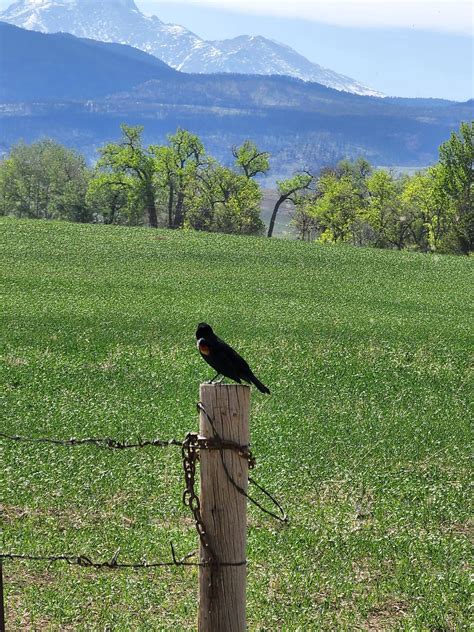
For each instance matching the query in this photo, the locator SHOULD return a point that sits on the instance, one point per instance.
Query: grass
(365, 438)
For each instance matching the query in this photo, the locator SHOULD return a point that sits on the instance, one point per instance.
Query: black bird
(223, 359)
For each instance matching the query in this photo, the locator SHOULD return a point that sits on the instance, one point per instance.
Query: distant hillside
(34, 66)
(79, 91)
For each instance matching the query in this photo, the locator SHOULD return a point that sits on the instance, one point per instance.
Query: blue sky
(428, 54)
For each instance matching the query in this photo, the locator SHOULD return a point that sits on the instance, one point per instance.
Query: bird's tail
(261, 387)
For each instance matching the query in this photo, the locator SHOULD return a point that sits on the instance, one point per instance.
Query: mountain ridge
(121, 21)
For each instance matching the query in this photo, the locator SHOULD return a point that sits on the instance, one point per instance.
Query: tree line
(179, 185)
(432, 210)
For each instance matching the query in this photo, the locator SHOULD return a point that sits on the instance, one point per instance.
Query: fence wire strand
(101, 442)
(86, 562)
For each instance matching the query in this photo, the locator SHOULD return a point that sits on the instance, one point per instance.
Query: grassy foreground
(365, 438)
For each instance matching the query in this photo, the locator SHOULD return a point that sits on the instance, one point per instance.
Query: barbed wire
(101, 442)
(113, 563)
(85, 561)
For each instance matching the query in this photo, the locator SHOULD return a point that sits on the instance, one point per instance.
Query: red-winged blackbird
(224, 359)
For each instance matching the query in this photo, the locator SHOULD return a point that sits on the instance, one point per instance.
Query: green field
(364, 439)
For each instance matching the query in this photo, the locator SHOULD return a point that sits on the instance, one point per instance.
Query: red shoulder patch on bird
(203, 347)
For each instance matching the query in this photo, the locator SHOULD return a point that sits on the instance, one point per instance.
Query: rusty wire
(101, 442)
(85, 561)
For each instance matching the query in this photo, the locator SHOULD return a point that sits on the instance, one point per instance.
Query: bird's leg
(212, 381)
(221, 380)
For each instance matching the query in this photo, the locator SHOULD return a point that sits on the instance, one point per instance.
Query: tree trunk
(151, 208)
(279, 202)
(170, 206)
(179, 215)
(152, 217)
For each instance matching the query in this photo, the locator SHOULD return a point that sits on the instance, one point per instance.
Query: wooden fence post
(222, 589)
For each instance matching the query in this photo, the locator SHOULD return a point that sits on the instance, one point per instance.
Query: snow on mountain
(262, 56)
(121, 21)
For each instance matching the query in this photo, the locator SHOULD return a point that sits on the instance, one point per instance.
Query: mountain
(79, 91)
(249, 54)
(121, 21)
(267, 57)
(35, 66)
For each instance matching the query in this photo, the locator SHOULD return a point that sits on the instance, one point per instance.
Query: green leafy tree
(110, 198)
(383, 211)
(251, 161)
(456, 159)
(289, 190)
(9, 202)
(241, 212)
(303, 220)
(225, 201)
(44, 180)
(131, 166)
(166, 178)
(428, 208)
(358, 170)
(336, 207)
(177, 165)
